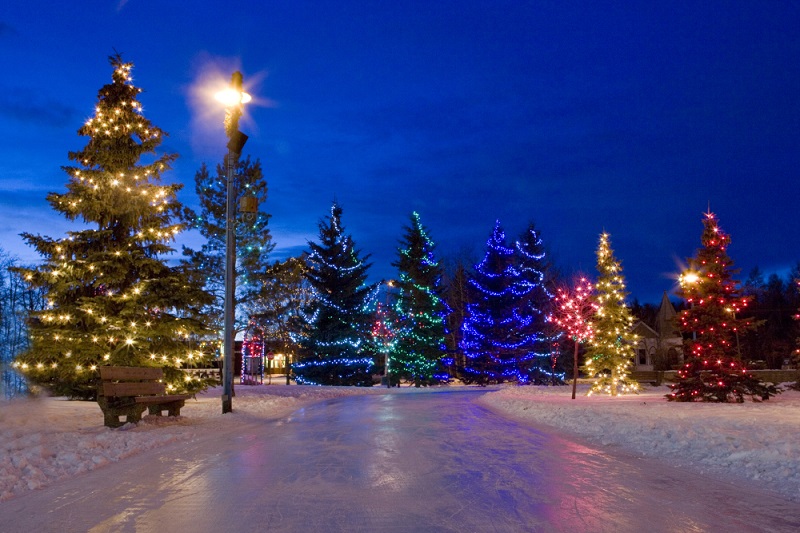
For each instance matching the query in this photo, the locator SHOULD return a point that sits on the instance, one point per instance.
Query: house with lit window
(661, 344)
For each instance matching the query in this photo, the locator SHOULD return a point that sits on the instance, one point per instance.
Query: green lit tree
(338, 345)
(419, 350)
(713, 370)
(112, 297)
(253, 240)
(610, 352)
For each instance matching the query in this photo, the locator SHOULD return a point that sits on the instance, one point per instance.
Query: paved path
(400, 462)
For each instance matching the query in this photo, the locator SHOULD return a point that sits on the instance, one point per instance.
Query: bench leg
(111, 415)
(172, 408)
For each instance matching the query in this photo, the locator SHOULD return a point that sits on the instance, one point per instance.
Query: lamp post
(389, 285)
(234, 99)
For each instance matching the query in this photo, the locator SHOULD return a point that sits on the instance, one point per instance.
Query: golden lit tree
(610, 353)
(112, 299)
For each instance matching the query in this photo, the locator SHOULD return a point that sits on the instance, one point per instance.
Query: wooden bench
(128, 391)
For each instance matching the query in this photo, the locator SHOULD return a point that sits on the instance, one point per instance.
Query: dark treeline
(16, 301)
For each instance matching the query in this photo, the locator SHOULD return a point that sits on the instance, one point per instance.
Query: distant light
(230, 97)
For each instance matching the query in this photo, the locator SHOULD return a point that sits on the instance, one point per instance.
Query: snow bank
(45, 439)
(759, 441)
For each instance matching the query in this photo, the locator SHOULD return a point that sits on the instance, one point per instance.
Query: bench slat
(133, 389)
(130, 373)
(162, 399)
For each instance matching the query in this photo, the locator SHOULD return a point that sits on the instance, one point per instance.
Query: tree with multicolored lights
(573, 310)
(713, 370)
(490, 339)
(531, 306)
(338, 343)
(610, 352)
(419, 349)
(253, 239)
(113, 299)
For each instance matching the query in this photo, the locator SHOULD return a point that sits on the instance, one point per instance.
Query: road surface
(405, 461)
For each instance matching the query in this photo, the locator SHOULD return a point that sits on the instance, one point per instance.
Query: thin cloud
(23, 106)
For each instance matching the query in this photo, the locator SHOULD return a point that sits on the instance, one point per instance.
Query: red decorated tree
(573, 312)
(713, 369)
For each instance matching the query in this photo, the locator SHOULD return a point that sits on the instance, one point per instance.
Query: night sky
(629, 118)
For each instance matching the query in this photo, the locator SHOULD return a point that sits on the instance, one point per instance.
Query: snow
(46, 439)
(758, 441)
(43, 440)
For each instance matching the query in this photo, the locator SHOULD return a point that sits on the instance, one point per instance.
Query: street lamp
(690, 278)
(234, 99)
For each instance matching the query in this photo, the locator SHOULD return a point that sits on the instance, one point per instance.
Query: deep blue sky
(630, 118)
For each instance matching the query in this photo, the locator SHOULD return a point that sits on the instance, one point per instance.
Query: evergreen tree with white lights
(610, 353)
(713, 371)
(419, 351)
(112, 297)
(253, 240)
(339, 343)
(533, 300)
(490, 340)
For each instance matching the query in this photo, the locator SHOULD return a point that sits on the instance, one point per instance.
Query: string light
(339, 317)
(103, 280)
(713, 370)
(610, 351)
(504, 335)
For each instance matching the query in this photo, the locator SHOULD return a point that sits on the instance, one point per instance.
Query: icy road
(397, 462)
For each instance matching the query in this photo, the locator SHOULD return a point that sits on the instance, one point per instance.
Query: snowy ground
(758, 441)
(46, 439)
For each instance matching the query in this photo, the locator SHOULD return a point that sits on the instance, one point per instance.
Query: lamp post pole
(236, 140)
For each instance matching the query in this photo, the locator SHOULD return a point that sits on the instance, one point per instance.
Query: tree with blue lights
(489, 333)
(535, 336)
(339, 340)
(419, 351)
(610, 352)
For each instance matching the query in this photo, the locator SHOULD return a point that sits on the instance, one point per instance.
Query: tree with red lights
(713, 371)
(573, 312)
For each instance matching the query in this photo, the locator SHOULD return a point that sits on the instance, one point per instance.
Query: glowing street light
(690, 278)
(234, 99)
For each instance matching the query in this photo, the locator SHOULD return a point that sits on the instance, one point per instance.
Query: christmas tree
(531, 307)
(490, 339)
(610, 353)
(253, 239)
(573, 311)
(419, 350)
(713, 371)
(339, 338)
(112, 297)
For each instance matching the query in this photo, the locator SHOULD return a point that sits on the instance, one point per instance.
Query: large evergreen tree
(113, 299)
(339, 340)
(531, 308)
(419, 348)
(610, 352)
(713, 371)
(253, 239)
(489, 332)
